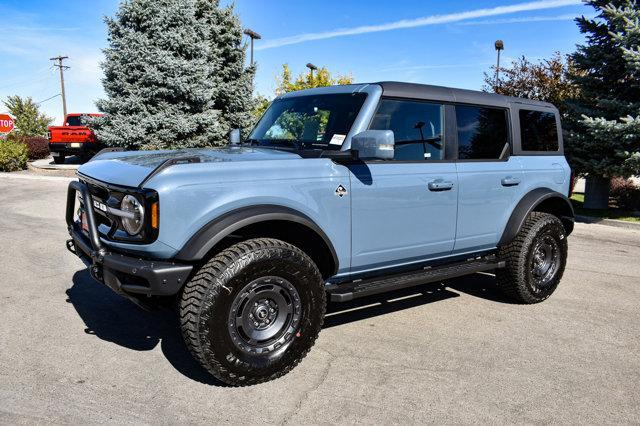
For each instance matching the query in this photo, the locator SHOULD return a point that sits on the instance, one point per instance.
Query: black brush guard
(126, 275)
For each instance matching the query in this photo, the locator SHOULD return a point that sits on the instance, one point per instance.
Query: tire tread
(206, 286)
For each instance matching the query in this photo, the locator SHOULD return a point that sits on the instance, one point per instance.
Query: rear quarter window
(538, 131)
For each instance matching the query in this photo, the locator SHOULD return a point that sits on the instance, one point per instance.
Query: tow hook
(71, 246)
(96, 272)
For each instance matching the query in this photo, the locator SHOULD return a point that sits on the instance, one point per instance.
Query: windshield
(316, 121)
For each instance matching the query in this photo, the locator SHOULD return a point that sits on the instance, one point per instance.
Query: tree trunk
(596, 193)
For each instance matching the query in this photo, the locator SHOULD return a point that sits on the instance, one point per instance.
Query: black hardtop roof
(396, 89)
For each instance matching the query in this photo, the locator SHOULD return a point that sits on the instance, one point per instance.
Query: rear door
(490, 179)
(404, 210)
(539, 148)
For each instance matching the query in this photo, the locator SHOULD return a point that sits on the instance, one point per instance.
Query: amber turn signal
(154, 216)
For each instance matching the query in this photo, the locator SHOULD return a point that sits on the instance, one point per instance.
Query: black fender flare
(553, 202)
(197, 247)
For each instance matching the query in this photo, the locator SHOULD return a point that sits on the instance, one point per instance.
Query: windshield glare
(315, 121)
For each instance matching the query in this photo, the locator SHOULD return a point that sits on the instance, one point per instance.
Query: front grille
(111, 196)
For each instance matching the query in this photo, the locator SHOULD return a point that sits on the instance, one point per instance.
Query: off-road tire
(59, 159)
(517, 279)
(210, 296)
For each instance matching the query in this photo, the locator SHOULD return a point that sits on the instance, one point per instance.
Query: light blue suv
(338, 193)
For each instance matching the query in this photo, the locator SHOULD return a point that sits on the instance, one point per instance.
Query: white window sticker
(337, 139)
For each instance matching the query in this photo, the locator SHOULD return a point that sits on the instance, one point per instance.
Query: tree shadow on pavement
(113, 318)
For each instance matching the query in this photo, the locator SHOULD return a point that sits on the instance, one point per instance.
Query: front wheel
(59, 159)
(253, 311)
(535, 259)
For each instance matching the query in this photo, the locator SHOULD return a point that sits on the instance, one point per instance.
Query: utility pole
(62, 67)
(499, 45)
(253, 36)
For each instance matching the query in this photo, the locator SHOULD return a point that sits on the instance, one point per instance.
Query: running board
(356, 289)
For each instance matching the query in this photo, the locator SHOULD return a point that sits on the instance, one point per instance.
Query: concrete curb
(608, 222)
(19, 175)
(48, 164)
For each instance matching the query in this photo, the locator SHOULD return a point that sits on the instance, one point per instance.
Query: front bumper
(125, 275)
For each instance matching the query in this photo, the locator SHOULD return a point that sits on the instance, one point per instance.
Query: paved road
(73, 352)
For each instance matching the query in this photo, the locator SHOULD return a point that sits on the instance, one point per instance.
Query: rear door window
(482, 132)
(538, 131)
(417, 128)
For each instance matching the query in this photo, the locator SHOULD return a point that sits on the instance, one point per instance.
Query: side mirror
(234, 137)
(374, 144)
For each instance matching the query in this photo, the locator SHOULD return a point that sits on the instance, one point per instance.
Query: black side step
(354, 290)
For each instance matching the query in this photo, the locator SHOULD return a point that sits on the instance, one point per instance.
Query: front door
(404, 210)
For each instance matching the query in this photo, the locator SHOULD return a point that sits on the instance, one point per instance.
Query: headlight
(130, 204)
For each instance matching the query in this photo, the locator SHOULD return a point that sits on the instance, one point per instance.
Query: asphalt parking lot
(71, 351)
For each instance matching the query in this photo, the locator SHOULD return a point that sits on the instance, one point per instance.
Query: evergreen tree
(174, 70)
(604, 133)
(235, 97)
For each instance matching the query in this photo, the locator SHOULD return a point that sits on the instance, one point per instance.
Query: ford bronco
(337, 193)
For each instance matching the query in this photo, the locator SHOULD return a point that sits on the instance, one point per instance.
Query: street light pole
(311, 69)
(254, 36)
(499, 45)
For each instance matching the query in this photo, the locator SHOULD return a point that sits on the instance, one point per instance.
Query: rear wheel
(59, 159)
(253, 311)
(535, 259)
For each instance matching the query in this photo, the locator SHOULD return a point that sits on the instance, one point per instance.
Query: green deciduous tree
(322, 77)
(174, 75)
(547, 80)
(605, 123)
(29, 121)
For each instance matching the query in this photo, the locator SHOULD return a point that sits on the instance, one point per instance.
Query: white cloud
(568, 17)
(419, 22)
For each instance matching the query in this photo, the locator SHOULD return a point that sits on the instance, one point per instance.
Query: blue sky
(427, 41)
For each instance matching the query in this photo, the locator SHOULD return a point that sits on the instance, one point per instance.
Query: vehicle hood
(131, 168)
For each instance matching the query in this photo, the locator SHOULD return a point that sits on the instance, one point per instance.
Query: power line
(62, 68)
(54, 96)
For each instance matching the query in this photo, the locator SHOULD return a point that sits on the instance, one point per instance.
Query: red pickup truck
(73, 139)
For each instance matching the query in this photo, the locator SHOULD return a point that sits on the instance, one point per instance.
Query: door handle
(510, 181)
(440, 185)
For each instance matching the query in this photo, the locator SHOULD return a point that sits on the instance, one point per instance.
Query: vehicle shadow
(115, 319)
(482, 285)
